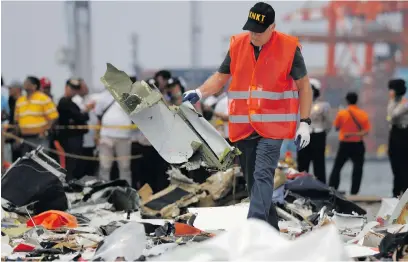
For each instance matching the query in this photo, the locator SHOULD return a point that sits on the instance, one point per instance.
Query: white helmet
(316, 83)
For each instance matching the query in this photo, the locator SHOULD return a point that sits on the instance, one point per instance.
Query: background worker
(35, 113)
(263, 104)
(52, 132)
(162, 77)
(397, 116)
(46, 86)
(72, 139)
(82, 99)
(353, 124)
(176, 86)
(215, 110)
(160, 80)
(15, 91)
(209, 104)
(115, 138)
(5, 113)
(321, 125)
(221, 116)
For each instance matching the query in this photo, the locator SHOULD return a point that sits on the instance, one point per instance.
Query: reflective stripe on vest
(241, 119)
(262, 94)
(263, 118)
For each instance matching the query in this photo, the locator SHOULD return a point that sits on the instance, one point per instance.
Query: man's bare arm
(214, 84)
(305, 96)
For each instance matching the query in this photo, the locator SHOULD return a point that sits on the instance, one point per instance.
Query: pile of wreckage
(44, 218)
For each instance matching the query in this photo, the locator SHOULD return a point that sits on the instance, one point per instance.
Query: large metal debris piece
(179, 134)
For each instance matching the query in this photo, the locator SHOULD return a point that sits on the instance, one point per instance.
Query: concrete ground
(377, 178)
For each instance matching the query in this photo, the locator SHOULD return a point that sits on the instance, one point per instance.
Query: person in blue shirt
(5, 110)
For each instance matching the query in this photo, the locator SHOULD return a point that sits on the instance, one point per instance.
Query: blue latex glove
(192, 95)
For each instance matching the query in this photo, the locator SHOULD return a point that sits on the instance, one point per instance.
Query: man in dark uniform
(397, 116)
(70, 114)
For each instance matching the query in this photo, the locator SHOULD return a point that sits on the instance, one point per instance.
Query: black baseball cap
(260, 17)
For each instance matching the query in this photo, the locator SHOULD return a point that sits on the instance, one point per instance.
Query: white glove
(302, 137)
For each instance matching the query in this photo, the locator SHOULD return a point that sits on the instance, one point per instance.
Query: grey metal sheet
(167, 132)
(207, 131)
(179, 134)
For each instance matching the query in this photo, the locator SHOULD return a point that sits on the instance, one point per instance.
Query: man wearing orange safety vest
(263, 102)
(353, 124)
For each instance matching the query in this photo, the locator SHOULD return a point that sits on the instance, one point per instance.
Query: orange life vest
(262, 95)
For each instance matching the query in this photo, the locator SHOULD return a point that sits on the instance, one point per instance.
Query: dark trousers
(136, 166)
(72, 145)
(155, 169)
(259, 160)
(397, 152)
(15, 151)
(15, 148)
(314, 152)
(114, 172)
(349, 150)
(150, 169)
(87, 167)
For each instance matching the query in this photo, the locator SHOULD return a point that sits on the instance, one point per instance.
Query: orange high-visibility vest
(262, 95)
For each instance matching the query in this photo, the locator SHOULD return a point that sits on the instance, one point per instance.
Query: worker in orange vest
(397, 116)
(353, 125)
(263, 102)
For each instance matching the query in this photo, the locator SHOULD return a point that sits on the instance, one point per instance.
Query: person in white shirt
(113, 142)
(221, 113)
(87, 167)
(216, 107)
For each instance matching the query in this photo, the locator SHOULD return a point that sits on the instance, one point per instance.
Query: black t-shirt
(70, 114)
(297, 71)
(298, 66)
(12, 105)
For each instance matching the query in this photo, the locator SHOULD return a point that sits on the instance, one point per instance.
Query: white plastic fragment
(128, 241)
(255, 240)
